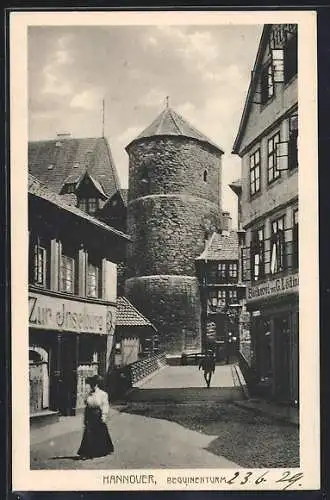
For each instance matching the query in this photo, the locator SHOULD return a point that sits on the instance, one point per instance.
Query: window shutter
(55, 256)
(282, 154)
(82, 272)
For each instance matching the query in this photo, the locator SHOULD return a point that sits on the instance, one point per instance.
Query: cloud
(153, 98)
(88, 99)
(129, 134)
(196, 47)
(53, 72)
(53, 84)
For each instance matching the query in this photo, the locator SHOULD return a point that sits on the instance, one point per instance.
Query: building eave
(251, 89)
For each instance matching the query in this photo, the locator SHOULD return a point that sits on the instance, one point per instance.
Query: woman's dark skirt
(96, 440)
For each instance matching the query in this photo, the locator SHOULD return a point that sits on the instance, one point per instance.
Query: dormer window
(205, 176)
(89, 205)
(92, 205)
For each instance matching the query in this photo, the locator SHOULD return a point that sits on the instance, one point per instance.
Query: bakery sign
(272, 288)
(53, 313)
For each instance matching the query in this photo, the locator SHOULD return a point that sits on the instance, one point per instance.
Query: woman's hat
(94, 380)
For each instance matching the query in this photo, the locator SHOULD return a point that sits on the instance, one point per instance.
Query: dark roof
(221, 247)
(128, 315)
(252, 87)
(170, 123)
(54, 162)
(236, 186)
(38, 189)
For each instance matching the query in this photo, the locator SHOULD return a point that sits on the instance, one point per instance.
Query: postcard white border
(24, 479)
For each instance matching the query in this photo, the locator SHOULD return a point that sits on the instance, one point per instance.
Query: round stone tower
(174, 204)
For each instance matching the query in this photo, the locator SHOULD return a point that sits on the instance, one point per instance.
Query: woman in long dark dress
(96, 440)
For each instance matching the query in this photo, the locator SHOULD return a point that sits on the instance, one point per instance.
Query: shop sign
(273, 288)
(53, 313)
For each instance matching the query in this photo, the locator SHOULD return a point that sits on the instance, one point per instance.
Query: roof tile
(69, 158)
(128, 315)
(171, 123)
(36, 188)
(221, 247)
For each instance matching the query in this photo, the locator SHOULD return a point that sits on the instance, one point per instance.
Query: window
(293, 142)
(232, 297)
(92, 280)
(232, 270)
(277, 246)
(257, 254)
(273, 173)
(67, 274)
(221, 298)
(295, 241)
(291, 58)
(70, 188)
(216, 299)
(92, 205)
(222, 271)
(83, 204)
(89, 205)
(255, 172)
(39, 265)
(267, 83)
(205, 176)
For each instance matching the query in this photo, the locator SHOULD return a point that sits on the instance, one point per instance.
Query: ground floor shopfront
(274, 331)
(69, 339)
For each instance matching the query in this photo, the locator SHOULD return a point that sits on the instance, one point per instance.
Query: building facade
(135, 336)
(222, 293)
(72, 299)
(267, 142)
(174, 205)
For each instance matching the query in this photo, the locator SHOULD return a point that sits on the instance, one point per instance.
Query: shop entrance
(282, 356)
(39, 379)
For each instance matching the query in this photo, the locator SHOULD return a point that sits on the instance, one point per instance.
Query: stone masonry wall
(172, 304)
(175, 165)
(172, 207)
(168, 233)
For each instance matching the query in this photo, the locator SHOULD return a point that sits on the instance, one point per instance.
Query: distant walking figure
(208, 366)
(96, 440)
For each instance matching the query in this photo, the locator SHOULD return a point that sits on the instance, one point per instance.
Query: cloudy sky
(205, 71)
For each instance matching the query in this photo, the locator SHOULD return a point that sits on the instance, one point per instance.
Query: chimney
(226, 222)
(63, 135)
(60, 136)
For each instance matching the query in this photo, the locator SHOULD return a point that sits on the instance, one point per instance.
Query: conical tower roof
(170, 123)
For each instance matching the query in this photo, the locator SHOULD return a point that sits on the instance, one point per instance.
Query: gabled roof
(96, 183)
(170, 123)
(221, 247)
(128, 315)
(57, 161)
(38, 189)
(252, 87)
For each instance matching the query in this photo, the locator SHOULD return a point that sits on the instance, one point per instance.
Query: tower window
(205, 176)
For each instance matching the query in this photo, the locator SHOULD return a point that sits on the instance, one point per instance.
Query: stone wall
(174, 165)
(174, 203)
(172, 304)
(168, 233)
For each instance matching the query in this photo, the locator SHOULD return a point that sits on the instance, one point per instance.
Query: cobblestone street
(149, 431)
